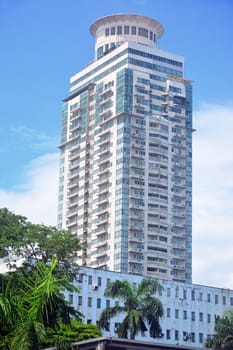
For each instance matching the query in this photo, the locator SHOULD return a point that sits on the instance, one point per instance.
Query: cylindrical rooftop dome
(112, 31)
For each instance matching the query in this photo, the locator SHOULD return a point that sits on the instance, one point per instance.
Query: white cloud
(36, 198)
(213, 196)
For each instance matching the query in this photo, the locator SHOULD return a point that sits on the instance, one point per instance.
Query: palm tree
(140, 304)
(30, 305)
(223, 337)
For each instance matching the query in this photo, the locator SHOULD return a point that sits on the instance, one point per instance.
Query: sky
(45, 42)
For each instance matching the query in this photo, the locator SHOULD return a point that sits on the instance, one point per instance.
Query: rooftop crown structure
(126, 154)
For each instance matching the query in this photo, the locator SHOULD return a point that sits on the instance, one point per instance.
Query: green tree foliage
(139, 304)
(33, 308)
(28, 306)
(66, 334)
(35, 242)
(223, 337)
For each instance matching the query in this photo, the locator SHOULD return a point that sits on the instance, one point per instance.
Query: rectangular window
(176, 313)
(184, 294)
(231, 301)
(89, 321)
(200, 296)
(80, 300)
(208, 298)
(108, 281)
(126, 29)
(193, 294)
(90, 280)
(224, 300)
(119, 29)
(112, 30)
(185, 315)
(193, 316)
(143, 32)
(71, 299)
(168, 292)
(168, 312)
(193, 337)
(216, 299)
(133, 30)
(98, 303)
(168, 334)
(200, 337)
(176, 335)
(209, 318)
(99, 281)
(89, 302)
(107, 32)
(107, 303)
(201, 316)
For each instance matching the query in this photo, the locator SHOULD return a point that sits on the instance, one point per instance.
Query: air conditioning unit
(94, 287)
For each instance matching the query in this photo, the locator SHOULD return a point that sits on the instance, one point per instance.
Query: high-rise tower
(126, 154)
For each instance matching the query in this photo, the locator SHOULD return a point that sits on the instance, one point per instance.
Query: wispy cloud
(36, 198)
(213, 196)
(23, 138)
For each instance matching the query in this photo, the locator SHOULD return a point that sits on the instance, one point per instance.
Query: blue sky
(44, 43)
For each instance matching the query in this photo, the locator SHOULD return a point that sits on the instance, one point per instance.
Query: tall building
(126, 154)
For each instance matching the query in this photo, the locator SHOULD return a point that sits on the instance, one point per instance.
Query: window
(80, 300)
(208, 318)
(143, 32)
(71, 299)
(90, 280)
(107, 303)
(112, 30)
(168, 334)
(193, 316)
(200, 337)
(119, 29)
(208, 298)
(231, 301)
(98, 303)
(107, 32)
(216, 299)
(184, 294)
(168, 292)
(193, 337)
(126, 29)
(193, 294)
(176, 335)
(176, 313)
(185, 314)
(89, 321)
(89, 302)
(224, 300)
(108, 281)
(201, 316)
(200, 296)
(99, 280)
(168, 312)
(177, 292)
(133, 30)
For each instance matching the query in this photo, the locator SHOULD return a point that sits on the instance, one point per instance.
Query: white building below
(190, 310)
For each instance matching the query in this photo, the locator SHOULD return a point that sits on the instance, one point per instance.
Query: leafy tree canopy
(34, 242)
(223, 337)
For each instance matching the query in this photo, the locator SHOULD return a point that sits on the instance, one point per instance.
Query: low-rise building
(190, 310)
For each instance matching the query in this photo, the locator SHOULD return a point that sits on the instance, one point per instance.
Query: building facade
(190, 310)
(126, 154)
